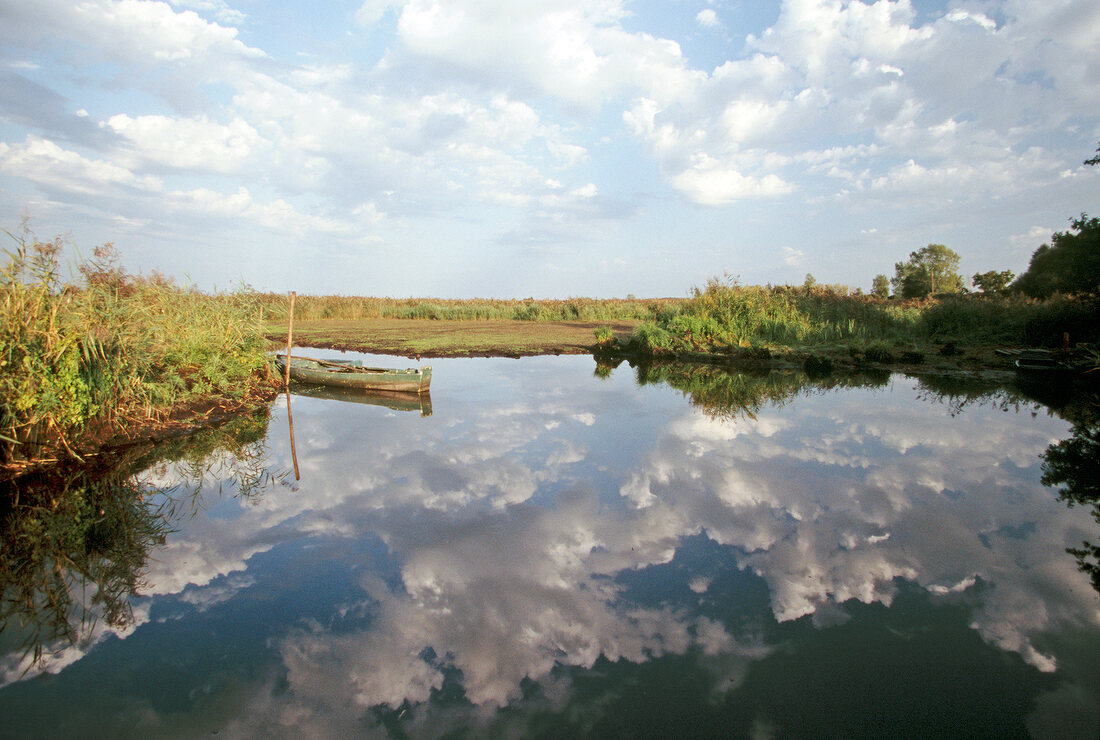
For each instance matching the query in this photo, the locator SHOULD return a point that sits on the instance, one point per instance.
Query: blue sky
(547, 148)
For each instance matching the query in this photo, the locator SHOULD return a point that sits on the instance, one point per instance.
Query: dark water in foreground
(553, 554)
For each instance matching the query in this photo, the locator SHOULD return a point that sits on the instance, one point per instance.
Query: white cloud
(193, 144)
(960, 16)
(471, 107)
(707, 18)
(372, 11)
(793, 257)
(575, 51)
(1033, 238)
(134, 31)
(44, 162)
(217, 8)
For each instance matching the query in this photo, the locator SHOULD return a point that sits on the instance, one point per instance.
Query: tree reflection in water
(722, 394)
(77, 540)
(1072, 465)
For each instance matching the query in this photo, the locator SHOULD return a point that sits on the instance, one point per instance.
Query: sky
(546, 148)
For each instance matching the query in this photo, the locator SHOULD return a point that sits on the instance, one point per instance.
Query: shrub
(652, 339)
(878, 352)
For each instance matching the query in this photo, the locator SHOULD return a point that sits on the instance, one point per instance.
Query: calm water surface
(545, 552)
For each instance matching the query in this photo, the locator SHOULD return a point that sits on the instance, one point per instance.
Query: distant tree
(930, 270)
(993, 282)
(880, 286)
(1095, 160)
(809, 283)
(1069, 264)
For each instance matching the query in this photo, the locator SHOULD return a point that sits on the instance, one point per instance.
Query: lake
(550, 548)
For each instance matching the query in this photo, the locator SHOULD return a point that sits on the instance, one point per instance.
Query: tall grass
(114, 348)
(724, 315)
(360, 307)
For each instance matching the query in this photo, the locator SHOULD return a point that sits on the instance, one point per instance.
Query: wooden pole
(286, 384)
(289, 335)
(290, 422)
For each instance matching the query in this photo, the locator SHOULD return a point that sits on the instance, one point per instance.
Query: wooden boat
(350, 374)
(1040, 361)
(395, 400)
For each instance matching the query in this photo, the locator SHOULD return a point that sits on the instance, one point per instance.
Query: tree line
(1069, 264)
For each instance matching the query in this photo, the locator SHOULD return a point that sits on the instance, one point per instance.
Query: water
(542, 552)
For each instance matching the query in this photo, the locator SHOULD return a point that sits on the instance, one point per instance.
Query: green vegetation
(77, 539)
(308, 308)
(929, 271)
(725, 316)
(1069, 264)
(113, 350)
(880, 286)
(79, 362)
(726, 395)
(993, 282)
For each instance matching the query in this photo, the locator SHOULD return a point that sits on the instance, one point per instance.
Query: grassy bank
(111, 351)
(449, 338)
(723, 317)
(355, 308)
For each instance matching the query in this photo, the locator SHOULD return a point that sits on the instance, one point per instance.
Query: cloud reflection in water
(538, 520)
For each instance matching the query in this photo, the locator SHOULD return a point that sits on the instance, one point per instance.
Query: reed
(115, 348)
(724, 315)
(477, 309)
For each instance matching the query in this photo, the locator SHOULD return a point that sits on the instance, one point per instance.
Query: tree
(993, 282)
(1069, 264)
(1095, 160)
(880, 286)
(809, 283)
(930, 270)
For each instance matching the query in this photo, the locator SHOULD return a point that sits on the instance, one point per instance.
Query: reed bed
(724, 315)
(307, 307)
(114, 348)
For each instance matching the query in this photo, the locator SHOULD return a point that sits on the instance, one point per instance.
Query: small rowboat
(395, 400)
(349, 374)
(1040, 361)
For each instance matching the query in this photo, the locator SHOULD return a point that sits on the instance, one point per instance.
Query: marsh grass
(725, 315)
(115, 348)
(360, 307)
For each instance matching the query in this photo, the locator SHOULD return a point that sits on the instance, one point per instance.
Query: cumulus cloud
(793, 257)
(507, 531)
(194, 144)
(707, 18)
(465, 110)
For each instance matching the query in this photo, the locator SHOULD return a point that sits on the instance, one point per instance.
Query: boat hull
(305, 370)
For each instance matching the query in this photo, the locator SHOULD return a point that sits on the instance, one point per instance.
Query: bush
(118, 346)
(878, 352)
(652, 339)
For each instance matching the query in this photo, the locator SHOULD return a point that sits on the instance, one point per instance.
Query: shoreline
(506, 339)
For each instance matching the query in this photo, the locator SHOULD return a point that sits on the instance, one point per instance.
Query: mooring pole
(289, 335)
(290, 423)
(286, 384)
